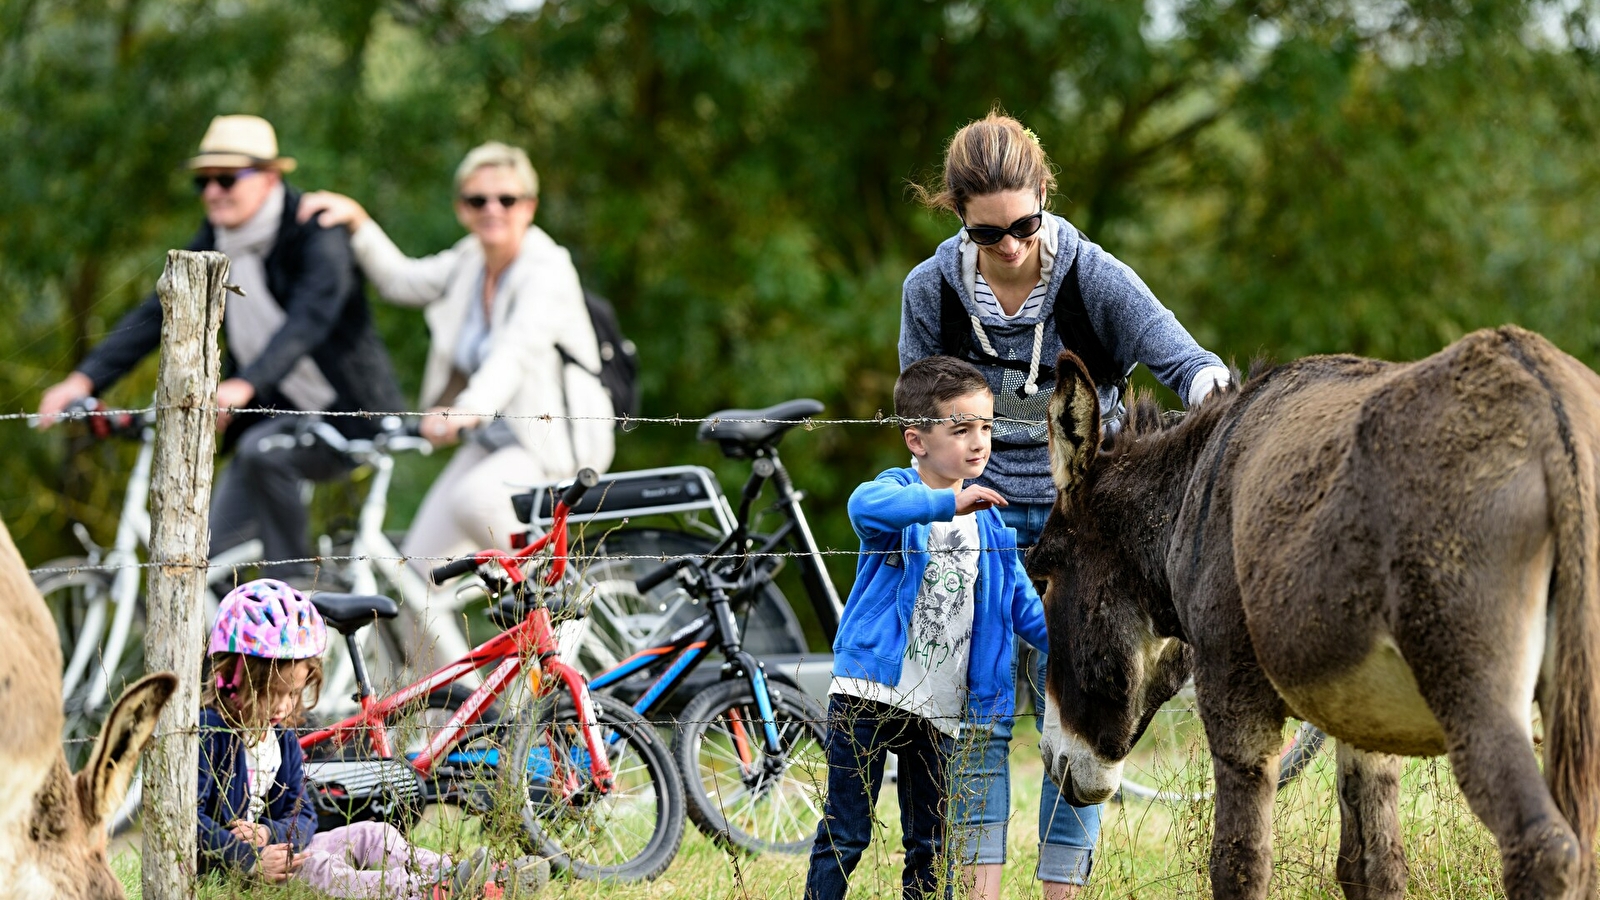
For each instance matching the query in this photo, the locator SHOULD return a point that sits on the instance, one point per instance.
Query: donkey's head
(1112, 659)
(58, 848)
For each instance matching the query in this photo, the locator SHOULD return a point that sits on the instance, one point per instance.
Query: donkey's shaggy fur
(52, 823)
(1405, 554)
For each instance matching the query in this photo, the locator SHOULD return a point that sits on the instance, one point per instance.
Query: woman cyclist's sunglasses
(226, 181)
(479, 201)
(1022, 229)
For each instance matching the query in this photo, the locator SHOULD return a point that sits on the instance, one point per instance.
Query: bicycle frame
(686, 650)
(530, 639)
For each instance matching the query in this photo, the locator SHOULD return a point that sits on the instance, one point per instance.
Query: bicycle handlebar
(119, 424)
(451, 569)
(649, 582)
(586, 478)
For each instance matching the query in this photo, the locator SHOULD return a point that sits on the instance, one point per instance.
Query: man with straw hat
(300, 338)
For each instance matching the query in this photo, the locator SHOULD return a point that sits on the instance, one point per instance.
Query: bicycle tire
(719, 735)
(571, 826)
(68, 594)
(1171, 763)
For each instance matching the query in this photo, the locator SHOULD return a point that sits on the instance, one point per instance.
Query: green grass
(1146, 850)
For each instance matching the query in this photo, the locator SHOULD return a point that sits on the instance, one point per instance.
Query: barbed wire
(398, 722)
(576, 559)
(623, 421)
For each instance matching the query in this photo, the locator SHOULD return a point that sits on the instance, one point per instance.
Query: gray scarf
(252, 320)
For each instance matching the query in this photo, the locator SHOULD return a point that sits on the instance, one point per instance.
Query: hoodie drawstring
(1030, 386)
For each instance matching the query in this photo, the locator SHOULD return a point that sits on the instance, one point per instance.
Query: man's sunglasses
(479, 201)
(1022, 229)
(226, 181)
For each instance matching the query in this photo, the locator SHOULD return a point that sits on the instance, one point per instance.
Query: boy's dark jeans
(860, 734)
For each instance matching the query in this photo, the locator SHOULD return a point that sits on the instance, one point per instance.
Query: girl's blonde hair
(505, 156)
(249, 702)
(995, 153)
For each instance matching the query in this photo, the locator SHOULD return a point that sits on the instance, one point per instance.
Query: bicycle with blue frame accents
(750, 749)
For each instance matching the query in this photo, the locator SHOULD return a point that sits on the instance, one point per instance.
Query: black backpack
(619, 358)
(1072, 326)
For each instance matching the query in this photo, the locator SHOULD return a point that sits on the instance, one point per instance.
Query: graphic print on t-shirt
(946, 586)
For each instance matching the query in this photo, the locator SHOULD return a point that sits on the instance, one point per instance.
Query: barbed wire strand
(624, 422)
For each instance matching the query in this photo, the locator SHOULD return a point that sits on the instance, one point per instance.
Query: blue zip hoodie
(225, 796)
(892, 513)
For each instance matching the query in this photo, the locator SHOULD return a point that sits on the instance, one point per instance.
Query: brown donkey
(52, 831)
(1405, 554)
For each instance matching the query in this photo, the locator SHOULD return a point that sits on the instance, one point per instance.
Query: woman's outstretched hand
(336, 209)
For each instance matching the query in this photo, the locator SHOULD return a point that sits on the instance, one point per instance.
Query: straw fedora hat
(240, 142)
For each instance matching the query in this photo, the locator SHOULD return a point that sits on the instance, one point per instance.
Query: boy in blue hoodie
(924, 649)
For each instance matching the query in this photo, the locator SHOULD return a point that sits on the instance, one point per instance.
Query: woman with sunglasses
(1012, 288)
(512, 343)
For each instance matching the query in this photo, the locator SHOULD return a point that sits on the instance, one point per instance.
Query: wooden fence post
(191, 290)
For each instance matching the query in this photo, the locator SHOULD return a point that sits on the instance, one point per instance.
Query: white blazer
(523, 376)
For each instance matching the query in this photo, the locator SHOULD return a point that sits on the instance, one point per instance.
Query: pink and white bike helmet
(269, 619)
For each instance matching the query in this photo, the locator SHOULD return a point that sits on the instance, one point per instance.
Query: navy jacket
(313, 276)
(892, 513)
(225, 796)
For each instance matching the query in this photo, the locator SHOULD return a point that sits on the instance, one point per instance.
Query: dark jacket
(225, 796)
(313, 276)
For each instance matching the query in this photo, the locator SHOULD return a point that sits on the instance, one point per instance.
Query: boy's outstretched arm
(884, 505)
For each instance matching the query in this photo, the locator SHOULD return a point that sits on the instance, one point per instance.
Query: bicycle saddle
(347, 613)
(743, 432)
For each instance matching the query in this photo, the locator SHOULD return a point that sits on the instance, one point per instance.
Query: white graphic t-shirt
(933, 675)
(262, 761)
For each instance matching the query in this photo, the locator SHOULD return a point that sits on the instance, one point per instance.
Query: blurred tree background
(1367, 176)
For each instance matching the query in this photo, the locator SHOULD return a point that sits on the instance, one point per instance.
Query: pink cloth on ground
(371, 861)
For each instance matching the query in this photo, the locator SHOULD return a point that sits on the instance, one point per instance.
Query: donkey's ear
(1074, 423)
(128, 729)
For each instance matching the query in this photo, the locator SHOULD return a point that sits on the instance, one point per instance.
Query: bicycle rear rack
(644, 492)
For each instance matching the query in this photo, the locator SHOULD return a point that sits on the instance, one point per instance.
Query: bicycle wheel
(1171, 762)
(71, 595)
(630, 833)
(738, 796)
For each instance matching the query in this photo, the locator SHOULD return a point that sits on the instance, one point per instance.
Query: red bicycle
(597, 789)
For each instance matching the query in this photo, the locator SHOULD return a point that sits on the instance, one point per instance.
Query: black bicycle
(750, 747)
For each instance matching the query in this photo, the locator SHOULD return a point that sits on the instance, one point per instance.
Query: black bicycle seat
(347, 613)
(743, 432)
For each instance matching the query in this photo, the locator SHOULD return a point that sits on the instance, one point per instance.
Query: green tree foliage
(1291, 177)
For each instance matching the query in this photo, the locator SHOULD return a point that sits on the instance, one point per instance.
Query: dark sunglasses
(479, 201)
(1022, 229)
(225, 181)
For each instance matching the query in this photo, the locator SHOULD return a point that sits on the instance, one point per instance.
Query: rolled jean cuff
(1061, 864)
(979, 844)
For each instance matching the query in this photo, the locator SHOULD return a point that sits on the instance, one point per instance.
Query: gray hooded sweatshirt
(1131, 324)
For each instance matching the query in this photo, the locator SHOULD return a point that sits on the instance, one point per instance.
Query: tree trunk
(180, 500)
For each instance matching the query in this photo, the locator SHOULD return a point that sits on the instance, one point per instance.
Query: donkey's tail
(1570, 701)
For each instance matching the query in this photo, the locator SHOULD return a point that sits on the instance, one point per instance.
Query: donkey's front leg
(1372, 860)
(1245, 734)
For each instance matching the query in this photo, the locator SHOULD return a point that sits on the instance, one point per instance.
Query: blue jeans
(1067, 833)
(860, 734)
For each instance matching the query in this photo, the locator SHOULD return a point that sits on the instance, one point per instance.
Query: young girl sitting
(255, 815)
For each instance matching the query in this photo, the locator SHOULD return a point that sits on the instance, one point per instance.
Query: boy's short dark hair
(929, 383)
